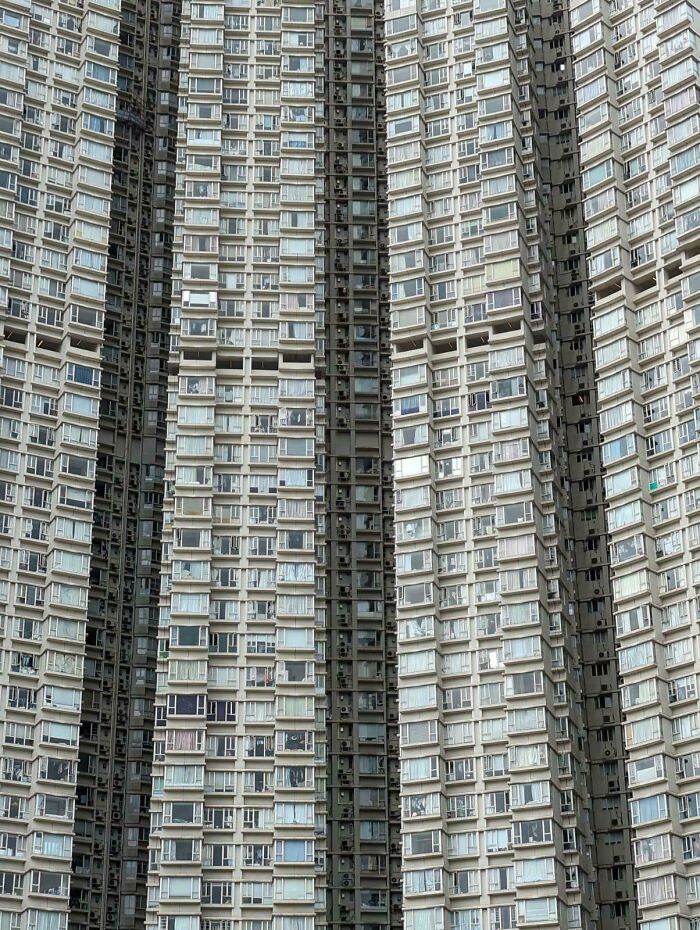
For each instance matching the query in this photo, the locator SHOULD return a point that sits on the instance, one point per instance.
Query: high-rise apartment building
(88, 151)
(511, 761)
(348, 465)
(58, 75)
(274, 710)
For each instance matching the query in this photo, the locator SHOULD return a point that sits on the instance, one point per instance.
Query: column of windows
(235, 834)
(636, 69)
(363, 830)
(57, 89)
(593, 617)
